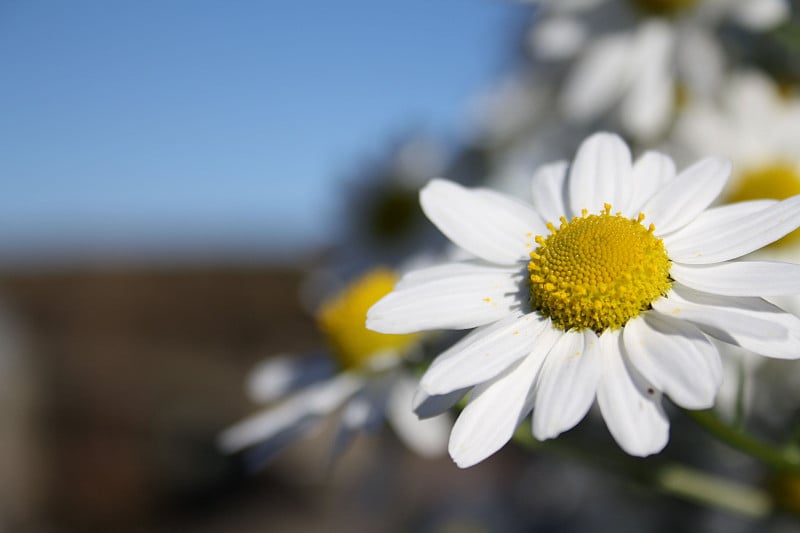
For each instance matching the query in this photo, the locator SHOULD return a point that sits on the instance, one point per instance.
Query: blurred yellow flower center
(680, 96)
(663, 7)
(342, 320)
(597, 271)
(776, 181)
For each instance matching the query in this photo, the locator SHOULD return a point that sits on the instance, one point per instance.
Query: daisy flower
(608, 286)
(369, 385)
(631, 56)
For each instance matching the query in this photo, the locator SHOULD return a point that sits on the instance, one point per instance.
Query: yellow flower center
(597, 271)
(342, 319)
(776, 181)
(663, 7)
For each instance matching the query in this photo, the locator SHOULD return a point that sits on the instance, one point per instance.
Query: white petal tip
(604, 136)
(645, 451)
(464, 464)
(542, 435)
(434, 186)
(698, 405)
(436, 386)
(380, 323)
(466, 460)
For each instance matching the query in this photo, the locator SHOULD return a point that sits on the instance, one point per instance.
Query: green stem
(712, 490)
(785, 459)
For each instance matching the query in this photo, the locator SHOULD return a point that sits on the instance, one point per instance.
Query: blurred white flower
(756, 15)
(635, 56)
(604, 306)
(756, 124)
(370, 385)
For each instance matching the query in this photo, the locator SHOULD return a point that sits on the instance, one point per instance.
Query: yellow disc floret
(776, 181)
(597, 271)
(342, 320)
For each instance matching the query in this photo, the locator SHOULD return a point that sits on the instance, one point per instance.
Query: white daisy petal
(493, 414)
(427, 406)
(715, 220)
(315, 401)
(513, 208)
(702, 243)
(600, 174)
(751, 323)
(484, 353)
(740, 278)
(488, 225)
(444, 271)
(682, 199)
(650, 172)
(548, 187)
(426, 437)
(719, 218)
(455, 296)
(675, 357)
(567, 384)
(631, 409)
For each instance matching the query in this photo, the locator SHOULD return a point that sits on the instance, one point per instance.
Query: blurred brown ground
(135, 372)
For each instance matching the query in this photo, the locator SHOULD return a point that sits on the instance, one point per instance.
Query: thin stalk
(713, 491)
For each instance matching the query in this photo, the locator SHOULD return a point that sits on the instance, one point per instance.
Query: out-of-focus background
(169, 174)
(181, 181)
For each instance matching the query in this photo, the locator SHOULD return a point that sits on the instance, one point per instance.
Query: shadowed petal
(631, 409)
(675, 357)
(740, 278)
(567, 384)
(751, 323)
(485, 353)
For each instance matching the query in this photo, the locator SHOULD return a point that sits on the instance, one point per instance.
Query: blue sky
(150, 126)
